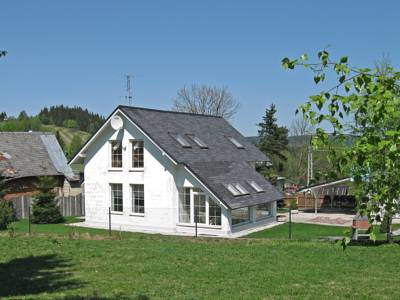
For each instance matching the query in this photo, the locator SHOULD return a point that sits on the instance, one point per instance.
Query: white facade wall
(161, 177)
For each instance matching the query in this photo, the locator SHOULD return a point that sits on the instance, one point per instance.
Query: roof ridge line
(169, 111)
(27, 132)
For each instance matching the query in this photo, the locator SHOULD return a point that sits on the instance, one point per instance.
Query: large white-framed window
(195, 205)
(240, 216)
(137, 157)
(137, 192)
(199, 205)
(117, 199)
(214, 213)
(116, 154)
(263, 211)
(184, 206)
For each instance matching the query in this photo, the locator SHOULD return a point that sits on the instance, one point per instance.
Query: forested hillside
(71, 117)
(72, 125)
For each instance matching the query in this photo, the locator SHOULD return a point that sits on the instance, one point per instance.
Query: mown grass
(57, 265)
(302, 231)
(22, 227)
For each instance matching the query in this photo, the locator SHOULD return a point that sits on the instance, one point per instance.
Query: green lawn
(301, 231)
(59, 229)
(60, 266)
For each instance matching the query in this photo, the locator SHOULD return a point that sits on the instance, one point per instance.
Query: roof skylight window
(198, 141)
(241, 189)
(237, 189)
(235, 142)
(256, 187)
(181, 140)
(233, 190)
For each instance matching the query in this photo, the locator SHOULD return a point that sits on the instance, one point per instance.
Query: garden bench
(361, 228)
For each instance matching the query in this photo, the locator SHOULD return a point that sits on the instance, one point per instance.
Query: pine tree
(273, 139)
(3, 116)
(44, 209)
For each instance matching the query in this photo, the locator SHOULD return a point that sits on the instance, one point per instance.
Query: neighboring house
(161, 171)
(26, 156)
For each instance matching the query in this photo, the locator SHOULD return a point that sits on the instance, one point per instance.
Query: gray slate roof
(212, 130)
(222, 163)
(217, 174)
(34, 154)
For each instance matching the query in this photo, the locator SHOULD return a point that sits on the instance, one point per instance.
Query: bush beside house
(6, 208)
(44, 209)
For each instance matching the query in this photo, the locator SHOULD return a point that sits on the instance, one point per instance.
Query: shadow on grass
(35, 275)
(119, 297)
(369, 243)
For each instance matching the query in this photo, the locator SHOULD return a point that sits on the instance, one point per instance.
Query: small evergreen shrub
(293, 204)
(44, 209)
(6, 213)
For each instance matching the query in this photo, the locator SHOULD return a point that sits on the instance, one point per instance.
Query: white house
(161, 171)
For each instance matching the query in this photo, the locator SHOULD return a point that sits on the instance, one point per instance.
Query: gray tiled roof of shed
(221, 163)
(34, 154)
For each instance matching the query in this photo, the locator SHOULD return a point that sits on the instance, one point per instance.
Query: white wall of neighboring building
(161, 177)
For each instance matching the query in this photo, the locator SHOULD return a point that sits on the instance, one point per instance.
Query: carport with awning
(327, 195)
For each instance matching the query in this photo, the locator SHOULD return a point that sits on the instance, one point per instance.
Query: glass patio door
(200, 211)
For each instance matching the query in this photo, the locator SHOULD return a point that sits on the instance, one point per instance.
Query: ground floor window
(116, 197)
(214, 213)
(184, 206)
(263, 211)
(199, 208)
(137, 198)
(240, 215)
(196, 206)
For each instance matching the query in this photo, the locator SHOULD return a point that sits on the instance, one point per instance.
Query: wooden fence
(305, 202)
(309, 202)
(69, 206)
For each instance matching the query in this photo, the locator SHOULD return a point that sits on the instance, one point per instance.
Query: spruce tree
(273, 141)
(44, 209)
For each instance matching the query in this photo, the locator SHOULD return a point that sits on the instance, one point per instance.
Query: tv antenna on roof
(129, 96)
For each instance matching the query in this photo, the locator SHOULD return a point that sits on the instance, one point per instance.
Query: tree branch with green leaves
(364, 103)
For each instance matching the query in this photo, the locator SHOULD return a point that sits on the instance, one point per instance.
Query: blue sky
(76, 52)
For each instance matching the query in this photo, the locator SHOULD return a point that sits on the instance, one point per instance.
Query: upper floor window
(116, 197)
(116, 154)
(137, 154)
